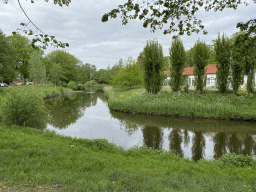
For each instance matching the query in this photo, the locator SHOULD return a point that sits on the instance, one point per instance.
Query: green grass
(191, 104)
(32, 159)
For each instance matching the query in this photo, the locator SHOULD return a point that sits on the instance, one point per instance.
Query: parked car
(4, 85)
(29, 83)
(19, 84)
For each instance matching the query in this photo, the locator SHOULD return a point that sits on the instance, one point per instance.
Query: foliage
(24, 49)
(157, 13)
(68, 64)
(152, 64)
(8, 57)
(104, 76)
(24, 106)
(55, 73)
(166, 63)
(72, 85)
(115, 69)
(178, 58)
(129, 76)
(200, 57)
(237, 160)
(222, 49)
(37, 68)
(90, 83)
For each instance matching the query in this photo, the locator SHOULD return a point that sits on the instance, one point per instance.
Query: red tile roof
(210, 69)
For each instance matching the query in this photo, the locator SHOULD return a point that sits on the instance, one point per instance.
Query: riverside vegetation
(208, 104)
(34, 160)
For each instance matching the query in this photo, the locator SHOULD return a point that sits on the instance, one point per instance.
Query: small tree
(200, 58)
(178, 59)
(37, 68)
(222, 49)
(152, 64)
(129, 76)
(55, 73)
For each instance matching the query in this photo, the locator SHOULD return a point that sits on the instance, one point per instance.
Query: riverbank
(33, 159)
(209, 104)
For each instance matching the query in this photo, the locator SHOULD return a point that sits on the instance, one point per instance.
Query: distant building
(210, 73)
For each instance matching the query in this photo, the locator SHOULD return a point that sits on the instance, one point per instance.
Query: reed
(206, 104)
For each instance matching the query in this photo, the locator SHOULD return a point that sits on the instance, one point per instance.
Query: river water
(86, 115)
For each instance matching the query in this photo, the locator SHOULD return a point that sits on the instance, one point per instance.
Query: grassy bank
(209, 104)
(33, 159)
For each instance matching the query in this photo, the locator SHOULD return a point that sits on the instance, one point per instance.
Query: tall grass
(207, 104)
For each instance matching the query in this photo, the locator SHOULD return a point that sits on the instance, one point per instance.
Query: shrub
(237, 160)
(24, 106)
(90, 83)
(72, 85)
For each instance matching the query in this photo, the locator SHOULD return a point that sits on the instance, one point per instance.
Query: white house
(210, 73)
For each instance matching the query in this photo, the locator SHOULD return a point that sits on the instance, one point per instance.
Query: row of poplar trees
(234, 60)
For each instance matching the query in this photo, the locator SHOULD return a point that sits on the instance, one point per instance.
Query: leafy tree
(222, 49)
(166, 63)
(82, 74)
(129, 76)
(243, 49)
(55, 73)
(152, 64)
(189, 58)
(201, 55)
(178, 58)
(24, 49)
(68, 64)
(157, 13)
(37, 68)
(7, 59)
(91, 71)
(102, 76)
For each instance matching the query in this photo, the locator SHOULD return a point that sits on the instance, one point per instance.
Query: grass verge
(209, 104)
(33, 159)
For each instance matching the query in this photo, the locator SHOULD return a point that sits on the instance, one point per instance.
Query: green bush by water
(72, 85)
(24, 106)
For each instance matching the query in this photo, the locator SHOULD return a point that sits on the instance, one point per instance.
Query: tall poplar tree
(36, 68)
(200, 57)
(178, 59)
(222, 50)
(152, 63)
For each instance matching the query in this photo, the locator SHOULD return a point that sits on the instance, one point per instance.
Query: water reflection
(152, 136)
(86, 115)
(175, 141)
(198, 145)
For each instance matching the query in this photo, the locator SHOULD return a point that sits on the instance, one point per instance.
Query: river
(86, 115)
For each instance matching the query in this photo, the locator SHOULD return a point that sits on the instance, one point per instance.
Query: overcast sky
(103, 44)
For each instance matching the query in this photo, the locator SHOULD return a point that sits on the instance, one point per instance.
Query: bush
(24, 106)
(237, 160)
(72, 85)
(90, 83)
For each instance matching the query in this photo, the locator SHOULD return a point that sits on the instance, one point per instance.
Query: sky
(103, 44)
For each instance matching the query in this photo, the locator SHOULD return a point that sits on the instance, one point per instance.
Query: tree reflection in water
(175, 141)
(152, 136)
(65, 111)
(198, 145)
(220, 143)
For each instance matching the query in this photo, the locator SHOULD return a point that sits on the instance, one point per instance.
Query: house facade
(210, 76)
